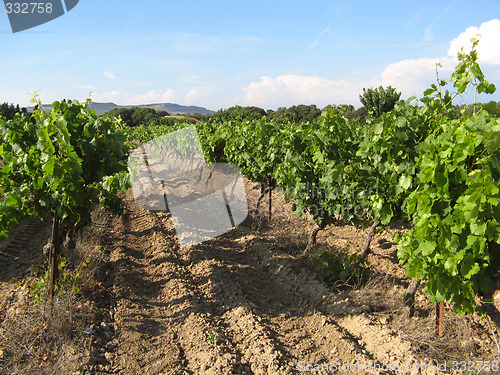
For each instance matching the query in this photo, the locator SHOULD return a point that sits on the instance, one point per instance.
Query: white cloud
(109, 96)
(411, 76)
(109, 75)
(488, 49)
(286, 90)
(316, 42)
(199, 95)
(153, 96)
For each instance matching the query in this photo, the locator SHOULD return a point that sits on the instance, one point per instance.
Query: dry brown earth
(247, 302)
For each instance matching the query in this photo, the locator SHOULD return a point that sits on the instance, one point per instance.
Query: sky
(269, 54)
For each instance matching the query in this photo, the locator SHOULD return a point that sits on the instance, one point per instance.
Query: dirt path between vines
(248, 302)
(227, 306)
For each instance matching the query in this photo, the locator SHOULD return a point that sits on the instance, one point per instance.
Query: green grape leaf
(469, 267)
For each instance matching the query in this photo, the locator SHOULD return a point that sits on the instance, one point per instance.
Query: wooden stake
(270, 205)
(439, 318)
(54, 253)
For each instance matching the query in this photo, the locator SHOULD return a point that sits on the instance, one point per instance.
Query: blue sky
(221, 53)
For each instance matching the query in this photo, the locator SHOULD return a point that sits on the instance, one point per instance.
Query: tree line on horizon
(375, 102)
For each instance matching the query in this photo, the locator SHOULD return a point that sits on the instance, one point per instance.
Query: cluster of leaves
(255, 147)
(212, 141)
(68, 284)
(238, 113)
(431, 164)
(60, 164)
(455, 206)
(146, 133)
(136, 116)
(315, 165)
(455, 244)
(296, 114)
(339, 267)
(9, 111)
(379, 100)
(385, 157)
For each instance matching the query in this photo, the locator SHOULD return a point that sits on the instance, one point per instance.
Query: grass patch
(337, 267)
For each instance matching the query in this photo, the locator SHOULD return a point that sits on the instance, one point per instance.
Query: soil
(246, 302)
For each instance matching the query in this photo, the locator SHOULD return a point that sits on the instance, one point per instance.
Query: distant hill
(172, 108)
(177, 109)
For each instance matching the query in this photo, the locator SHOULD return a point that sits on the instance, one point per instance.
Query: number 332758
(27, 8)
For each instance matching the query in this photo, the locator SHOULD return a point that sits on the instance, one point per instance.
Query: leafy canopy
(379, 100)
(60, 164)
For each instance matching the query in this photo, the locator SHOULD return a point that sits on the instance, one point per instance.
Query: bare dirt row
(225, 306)
(247, 302)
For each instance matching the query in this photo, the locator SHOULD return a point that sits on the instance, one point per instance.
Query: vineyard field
(246, 302)
(324, 272)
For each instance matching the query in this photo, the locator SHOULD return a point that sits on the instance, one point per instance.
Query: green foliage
(60, 164)
(146, 133)
(68, 284)
(255, 147)
(316, 166)
(338, 267)
(174, 121)
(143, 116)
(468, 72)
(385, 157)
(348, 109)
(212, 141)
(124, 113)
(455, 206)
(456, 211)
(296, 114)
(137, 116)
(213, 338)
(379, 100)
(238, 113)
(9, 111)
(155, 128)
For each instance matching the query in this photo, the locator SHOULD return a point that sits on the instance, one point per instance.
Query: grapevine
(59, 165)
(455, 206)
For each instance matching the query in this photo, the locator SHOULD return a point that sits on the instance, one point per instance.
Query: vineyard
(427, 165)
(411, 195)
